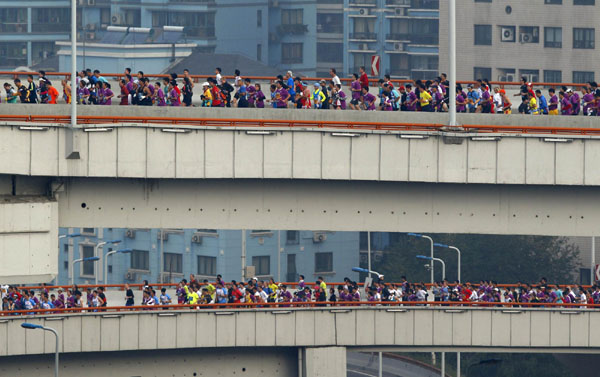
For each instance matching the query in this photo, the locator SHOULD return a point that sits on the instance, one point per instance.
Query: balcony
(193, 1)
(397, 3)
(397, 37)
(360, 3)
(199, 32)
(292, 29)
(13, 27)
(63, 27)
(425, 39)
(363, 36)
(425, 4)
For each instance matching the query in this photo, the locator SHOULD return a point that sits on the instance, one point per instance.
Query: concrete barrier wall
(472, 328)
(147, 152)
(294, 114)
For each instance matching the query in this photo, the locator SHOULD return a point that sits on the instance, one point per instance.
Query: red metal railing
(289, 305)
(269, 123)
(198, 78)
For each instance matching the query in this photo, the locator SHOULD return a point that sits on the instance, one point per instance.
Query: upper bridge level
(197, 143)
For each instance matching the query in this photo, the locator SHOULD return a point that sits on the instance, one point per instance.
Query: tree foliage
(505, 259)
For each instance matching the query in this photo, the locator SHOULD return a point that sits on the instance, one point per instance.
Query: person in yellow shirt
(207, 97)
(425, 99)
(321, 283)
(533, 107)
(211, 288)
(273, 290)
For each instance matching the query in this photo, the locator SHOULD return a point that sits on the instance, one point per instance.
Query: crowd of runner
(287, 91)
(196, 293)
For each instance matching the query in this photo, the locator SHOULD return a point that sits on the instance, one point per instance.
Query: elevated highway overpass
(141, 167)
(294, 341)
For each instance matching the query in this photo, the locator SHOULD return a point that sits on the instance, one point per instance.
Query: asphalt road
(367, 365)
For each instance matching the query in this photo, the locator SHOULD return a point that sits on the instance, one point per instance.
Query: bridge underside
(330, 205)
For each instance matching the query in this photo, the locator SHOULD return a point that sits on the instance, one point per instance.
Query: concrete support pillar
(322, 362)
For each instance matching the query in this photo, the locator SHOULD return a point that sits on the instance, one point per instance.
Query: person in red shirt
(364, 79)
(53, 94)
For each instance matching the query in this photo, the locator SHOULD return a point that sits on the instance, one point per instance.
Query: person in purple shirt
(107, 94)
(588, 101)
(83, 93)
(368, 99)
(486, 101)
(259, 97)
(251, 93)
(282, 96)
(160, 96)
(437, 98)
(342, 97)
(411, 98)
(575, 103)
(356, 89)
(565, 104)
(553, 102)
(461, 103)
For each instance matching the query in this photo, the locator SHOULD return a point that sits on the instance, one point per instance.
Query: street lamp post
(437, 260)
(106, 261)
(33, 326)
(431, 241)
(453, 248)
(452, 64)
(98, 246)
(70, 256)
(90, 259)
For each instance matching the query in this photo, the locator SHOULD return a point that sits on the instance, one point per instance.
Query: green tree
(505, 259)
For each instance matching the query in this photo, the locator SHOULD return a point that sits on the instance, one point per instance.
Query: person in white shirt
(218, 75)
(498, 102)
(334, 77)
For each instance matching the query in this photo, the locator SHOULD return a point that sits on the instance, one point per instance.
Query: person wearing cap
(506, 104)
(207, 95)
(317, 97)
(498, 101)
(575, 102)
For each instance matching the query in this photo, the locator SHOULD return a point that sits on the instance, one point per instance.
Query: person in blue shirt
(290, 85)
(542, 103)
(472, 99)
(165, 299)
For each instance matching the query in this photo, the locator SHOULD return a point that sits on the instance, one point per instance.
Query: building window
(482, 73)
(140, 260)
(88, 231)
(584, 38)
(330, 52)
(292, 16)
(532, 75)
(584, 2)
(291, 53)
(13, 53)
(259, 18)
(173, 262)
(581, 77)
(483, 1)
(197, 25)
(323, 262)
(529, 34)
(87, 266)
(49, 20)
(207, 266)
(330, 23)
(552, 76)
(553, 37)
(13, 20)
(552, 1)
(292, 237)
(66, 248)
(262, 264)
(66, 265)
(483, 35)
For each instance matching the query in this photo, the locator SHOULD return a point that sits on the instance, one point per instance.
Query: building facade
(543, 40)
(206, 253)
(403, 33)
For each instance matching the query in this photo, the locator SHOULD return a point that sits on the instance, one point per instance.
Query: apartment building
(543, 40)
(172, 254)
(404, 33)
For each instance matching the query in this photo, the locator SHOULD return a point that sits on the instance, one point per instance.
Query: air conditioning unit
(130, 233)
(131, 276)
(526, 37)
(400, 11)
(90, 36)
(197, 238)
(165, 236)
(508, 34)
(363, 46)
(509, 77)
(82, 2)
(319, 237)
(363, 11)
(116, 19)
(90, 27)
(91, 3)
(398, 47)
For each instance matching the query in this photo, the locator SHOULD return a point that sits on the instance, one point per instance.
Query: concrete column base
(322, 362)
